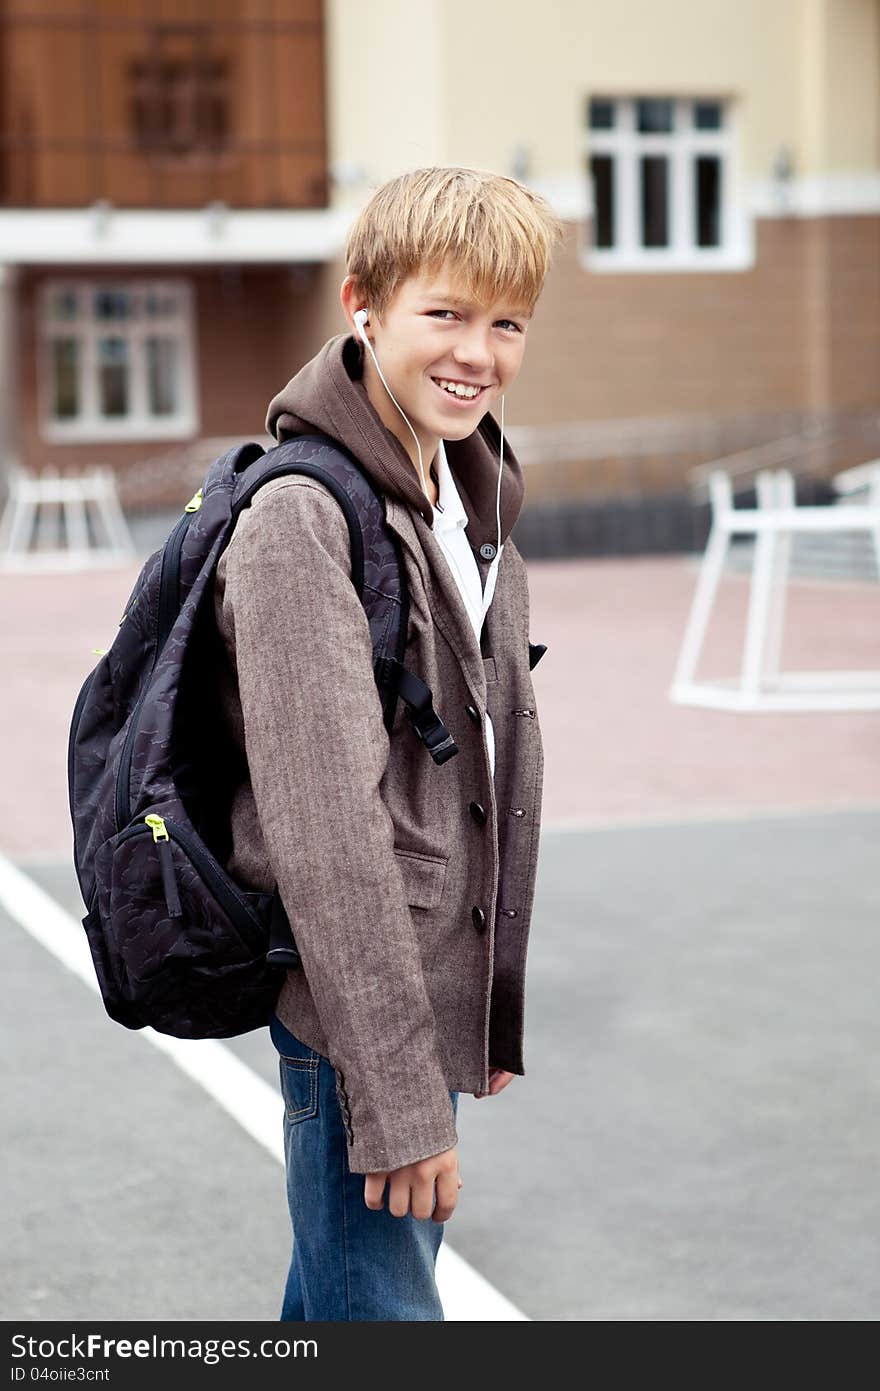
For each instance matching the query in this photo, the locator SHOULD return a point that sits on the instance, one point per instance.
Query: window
(180, 95)
(117, 360)
(661, 170)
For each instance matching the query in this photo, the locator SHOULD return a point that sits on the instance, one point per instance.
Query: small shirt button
(487, 550)
(478, 812)
(479, 918)
(472, 713)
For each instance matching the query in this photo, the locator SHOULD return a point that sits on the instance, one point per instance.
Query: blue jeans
(349, 1262)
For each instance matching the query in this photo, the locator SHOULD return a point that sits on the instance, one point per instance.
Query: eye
(515, 327)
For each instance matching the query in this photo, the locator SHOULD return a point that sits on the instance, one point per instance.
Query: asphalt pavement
(696, 1137)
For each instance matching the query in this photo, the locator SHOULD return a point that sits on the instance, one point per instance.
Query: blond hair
(497, 235)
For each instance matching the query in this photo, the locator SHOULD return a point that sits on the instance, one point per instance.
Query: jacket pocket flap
(423, 877)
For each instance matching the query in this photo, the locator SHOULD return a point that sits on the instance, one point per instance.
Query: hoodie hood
(328, 396)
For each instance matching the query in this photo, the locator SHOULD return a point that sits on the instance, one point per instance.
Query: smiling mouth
(459, 399)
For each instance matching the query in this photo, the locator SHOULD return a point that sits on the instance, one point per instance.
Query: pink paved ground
(617, 750)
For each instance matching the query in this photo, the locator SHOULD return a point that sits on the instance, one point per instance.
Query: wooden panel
(299, 86)
(302, 180)
(39, 9)
(118, 50)
(298, 11)
(246, 180)
(240, 11)
(128, 181)
(47, 93)
(60, 180)
(115, 11)
(177, 12)
(185, 183)
(252, 96)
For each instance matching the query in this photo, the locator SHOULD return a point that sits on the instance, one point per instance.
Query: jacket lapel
(447, 608)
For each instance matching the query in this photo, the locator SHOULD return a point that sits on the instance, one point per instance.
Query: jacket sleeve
(317, 748)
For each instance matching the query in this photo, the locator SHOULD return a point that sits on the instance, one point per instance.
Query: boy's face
(432, 331)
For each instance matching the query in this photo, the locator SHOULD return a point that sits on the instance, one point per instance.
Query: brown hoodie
(409, 886)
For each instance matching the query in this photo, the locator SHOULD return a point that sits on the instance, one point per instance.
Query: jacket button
(487, 550)
(479, 918)
(478, 812)
(472, 713)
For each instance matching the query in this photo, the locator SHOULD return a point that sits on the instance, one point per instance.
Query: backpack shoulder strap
(377, 571)
(379, 577)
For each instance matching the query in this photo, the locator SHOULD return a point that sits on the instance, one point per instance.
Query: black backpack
(176, 944)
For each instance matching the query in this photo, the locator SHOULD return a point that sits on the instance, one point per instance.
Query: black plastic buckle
(419, 705)
(288, 957)
(432, 732)
(282, 948)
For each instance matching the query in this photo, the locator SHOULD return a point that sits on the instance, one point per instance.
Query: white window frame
(627, 145)
(90, 426)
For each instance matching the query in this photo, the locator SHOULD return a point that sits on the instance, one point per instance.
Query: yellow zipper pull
(166, 865)
(157, 826)
(194, 503)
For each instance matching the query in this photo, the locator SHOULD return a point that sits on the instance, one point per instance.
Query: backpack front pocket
(187, 948)
(169, 901)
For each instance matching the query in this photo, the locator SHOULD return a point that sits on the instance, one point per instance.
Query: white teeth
(457, 389)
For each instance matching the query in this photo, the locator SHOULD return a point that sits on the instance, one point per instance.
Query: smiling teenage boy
(409, 884)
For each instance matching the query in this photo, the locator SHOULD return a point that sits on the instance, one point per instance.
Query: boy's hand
(498, 1080)
(412, 1187)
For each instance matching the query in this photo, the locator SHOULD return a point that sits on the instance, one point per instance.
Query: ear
(351, 298)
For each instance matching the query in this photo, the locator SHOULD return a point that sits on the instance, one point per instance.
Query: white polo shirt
(449, 523)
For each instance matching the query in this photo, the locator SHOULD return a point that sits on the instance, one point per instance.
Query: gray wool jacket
(410, 908)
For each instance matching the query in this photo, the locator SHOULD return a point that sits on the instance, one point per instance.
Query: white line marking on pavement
(242, 1094)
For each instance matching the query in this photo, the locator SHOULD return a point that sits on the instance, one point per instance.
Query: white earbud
(361, 317)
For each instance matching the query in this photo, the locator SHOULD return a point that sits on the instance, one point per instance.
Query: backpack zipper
(166, 865)
(237, 910)
(169, 606)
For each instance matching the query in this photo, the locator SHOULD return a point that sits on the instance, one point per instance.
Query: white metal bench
(82, 512)
(776, 518)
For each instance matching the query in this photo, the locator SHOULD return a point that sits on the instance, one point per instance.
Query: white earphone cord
(360, 328)
(363, 335)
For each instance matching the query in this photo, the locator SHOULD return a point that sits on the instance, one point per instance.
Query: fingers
(422, 1200)
(399, 1191)
(411, 1189)
(448, 1186)
(498, 1080)
(425, 1199)
(374, 1188)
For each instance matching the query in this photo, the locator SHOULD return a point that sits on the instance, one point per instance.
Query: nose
(473, 348)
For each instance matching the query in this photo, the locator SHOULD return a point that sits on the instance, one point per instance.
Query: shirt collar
(453, 514)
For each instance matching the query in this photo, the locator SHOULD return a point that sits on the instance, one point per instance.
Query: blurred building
(176, 180)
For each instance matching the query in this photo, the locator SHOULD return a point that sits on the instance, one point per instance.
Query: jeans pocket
(298, 1067)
